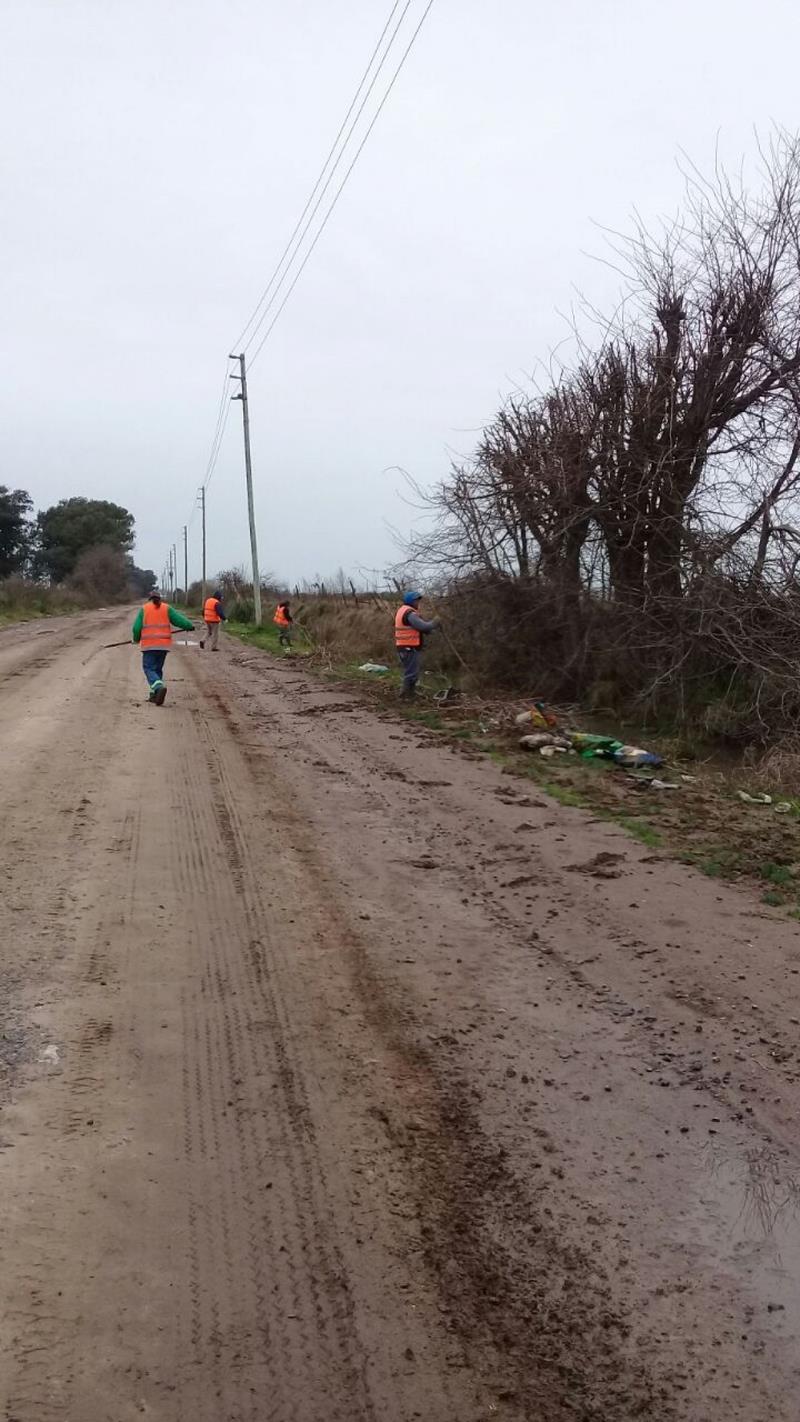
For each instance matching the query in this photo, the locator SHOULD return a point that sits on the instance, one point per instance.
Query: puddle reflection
(749, 1214)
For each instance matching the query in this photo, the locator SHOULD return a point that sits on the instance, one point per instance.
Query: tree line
(628, 530)
(85, 545)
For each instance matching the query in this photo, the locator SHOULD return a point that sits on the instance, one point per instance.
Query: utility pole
(186, 564)
(174, 569)
(248, 469)
(203, 511)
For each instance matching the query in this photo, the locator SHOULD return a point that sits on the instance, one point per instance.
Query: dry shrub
(101, 575)
(627, 532)
(720, 662)
(522, 637)
(778, 768)
(346, 631)
(21, 598)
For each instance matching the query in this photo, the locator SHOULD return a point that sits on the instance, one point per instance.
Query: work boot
(202, 641)
(160, 694)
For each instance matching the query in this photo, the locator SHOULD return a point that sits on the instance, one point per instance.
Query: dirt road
(341, 1078)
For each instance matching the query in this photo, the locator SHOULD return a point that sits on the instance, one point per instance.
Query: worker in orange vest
(152, 630)
(213, 614)
(410, 631)
(284, 622)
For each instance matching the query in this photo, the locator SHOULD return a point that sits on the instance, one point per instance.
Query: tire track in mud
(535, 1309)
(38, 1366)
(283, 1252)
(233, 763)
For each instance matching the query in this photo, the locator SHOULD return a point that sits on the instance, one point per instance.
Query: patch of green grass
(774, 898)
(502, 758)
(778, 874)
(25, 613)
(264, 637)
(640, 830)
(720, 863)
(565, 794)
(431, 719)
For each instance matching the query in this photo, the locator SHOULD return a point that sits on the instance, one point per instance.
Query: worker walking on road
(213, 614)
(284, 622)
(410, 631)
(152, 630)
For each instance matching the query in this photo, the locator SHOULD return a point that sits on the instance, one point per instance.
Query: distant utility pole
(174, 569)
(186, 564)
(203, 512)
(248, 469)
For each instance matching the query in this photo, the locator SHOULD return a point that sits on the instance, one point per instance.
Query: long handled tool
(106, 647)
(129, 643)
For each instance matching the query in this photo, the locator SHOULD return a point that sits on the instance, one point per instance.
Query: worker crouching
(410, 631)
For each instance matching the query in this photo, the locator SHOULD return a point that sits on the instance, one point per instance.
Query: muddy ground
(345, 1077)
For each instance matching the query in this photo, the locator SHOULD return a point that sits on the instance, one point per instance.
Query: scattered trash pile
(545, 736)
(549, 739)
(782, 807)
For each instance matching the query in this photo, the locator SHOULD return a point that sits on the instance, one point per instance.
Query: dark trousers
(153, 667)
(409, 660)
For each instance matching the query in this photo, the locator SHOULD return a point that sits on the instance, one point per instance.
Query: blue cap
(410, 598)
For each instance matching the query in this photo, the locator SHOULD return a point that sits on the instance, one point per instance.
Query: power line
(343, 183)
(236, 345)
(223, 410)
(213, 462)
(219, 429)
(331, 175)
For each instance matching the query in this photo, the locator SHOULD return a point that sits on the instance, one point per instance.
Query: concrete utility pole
(203, 511)
(186, 564)
(174, 569)
(248, 469)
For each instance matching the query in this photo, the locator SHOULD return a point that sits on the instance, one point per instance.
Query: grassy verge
(43, 603)
(703, 823)
(266, 638)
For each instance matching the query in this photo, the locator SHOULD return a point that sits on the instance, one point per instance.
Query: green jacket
(176, 618)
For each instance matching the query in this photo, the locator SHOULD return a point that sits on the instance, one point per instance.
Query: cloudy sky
(155, 158)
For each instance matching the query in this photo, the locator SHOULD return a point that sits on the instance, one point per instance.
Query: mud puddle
(747, 1210)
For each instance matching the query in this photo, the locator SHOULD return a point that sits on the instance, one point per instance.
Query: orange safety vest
(405, 636)
(280, 618)
(156, 628)
(210, 613)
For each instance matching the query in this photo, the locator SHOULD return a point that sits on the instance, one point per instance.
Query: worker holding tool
(213, 614)
(410, 631)
(284, 621)
(152, 630)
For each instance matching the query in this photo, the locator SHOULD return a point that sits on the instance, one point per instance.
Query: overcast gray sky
(156, 156)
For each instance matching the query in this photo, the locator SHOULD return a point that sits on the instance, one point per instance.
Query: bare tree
(653, 489)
